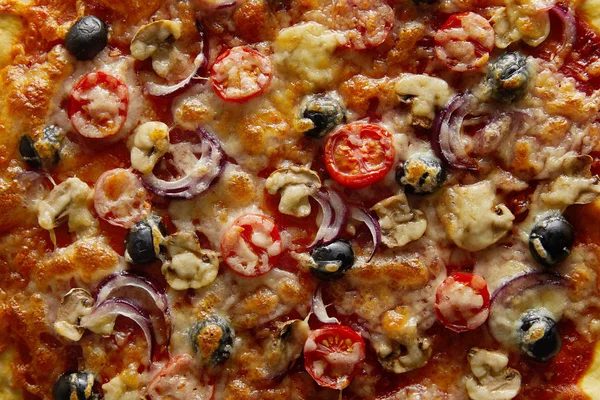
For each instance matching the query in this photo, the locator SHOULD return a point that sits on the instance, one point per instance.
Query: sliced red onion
(204, 173)
(334, 214)
(447, 139)
(516, 285)
(156, 89)
(102, 319)
(568, 36)
(320, 310)
(372, 223)
(113, 286)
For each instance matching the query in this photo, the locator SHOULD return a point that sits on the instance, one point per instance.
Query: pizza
(309, 199)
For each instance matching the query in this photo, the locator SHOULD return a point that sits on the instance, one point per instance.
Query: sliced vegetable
(538, 336)
(198, 166)
(372, 224)
(365, 24)
(179, 379)
(74, 305)
(120, 198)
(462, 302)
(569, 35)
(320, 309)
(99, 104)
(102, 319)
(87, 37)
(240, 74)
(421, 173)
(464, 42)
(150, 143)
(212, 340)
(156, 89)
(29, 153)
(252, 245)
(144, 241)
(322, 114)
(359, 154)
(77, 385)
(332, 260)
(509, 77)
(334, 214)
(551, 239)
(296, 185)
(333, 355)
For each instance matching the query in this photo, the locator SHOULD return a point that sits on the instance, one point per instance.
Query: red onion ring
(156, 89)
(106, 314)
(447, 140)
(113, 284)
(372, 223)
(205, 172)
(568, 37)
(319, 309)
(334, 214)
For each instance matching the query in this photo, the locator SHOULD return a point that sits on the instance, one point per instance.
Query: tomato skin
(359, 154)
(470, 285)
(86, 124)
(254, 232)
(327, 342)
(242, 57)
(367, 24)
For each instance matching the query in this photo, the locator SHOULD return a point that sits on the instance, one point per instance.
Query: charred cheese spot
(404, 49)
(249, 311)
(11, 32)
(253, 21)
(359, 91)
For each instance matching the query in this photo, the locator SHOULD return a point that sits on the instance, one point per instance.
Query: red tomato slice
(359, 154)
(333, 354)
(365, 23)
(120, 198)
(99, 104)
(252, 245)
(179, 380)
(240, 74)
(462, 302)
(464, 42)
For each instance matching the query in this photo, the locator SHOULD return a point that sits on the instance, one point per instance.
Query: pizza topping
(212, 340)
(87, 37)
(365, 24)
(288, 344)
(155, 39)
(401, 349)
(67, 200)
(509, 77)
(551, 239)
(359, 154)
(179, 379)
(77, 385)
(372, 223)
(319, 309)
(491, 379)
(74, 305)
(197, 164)
(333, 215)
(252, 245)
(29, 153)
(321, 114)
(332, 260)
(472, 216)
(104, 316)
(120, 198)
(399, 224)
(462, 302)
(421, 173)
(150, 143)
(424, 93)
(296, 185)
(190, 266)
(333, 355)
(240, 74)
(464, 42)
(156, 89)
(538, 335)
(98, 105)
(144, 241)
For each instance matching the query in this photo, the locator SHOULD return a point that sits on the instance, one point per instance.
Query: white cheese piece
(491, 379)
(399, 224)
(472, 216)
(425, 93)
(190, 267)
(150, 143)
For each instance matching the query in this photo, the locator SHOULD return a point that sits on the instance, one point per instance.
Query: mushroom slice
(296, 184)
(150, 37)
(424, 93)
(399, 224)
(150, 143)
(190, 266)
(77, 303)
(491, 379)
(287, 346)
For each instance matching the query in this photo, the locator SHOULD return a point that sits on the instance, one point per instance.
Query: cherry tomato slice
(464, 42)
(333, 354)
(359, 154)
(240, 74)
(462, 302)
(98, 107)
(120, 198)
(252, 245)
(365, 23)
(179, 380)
